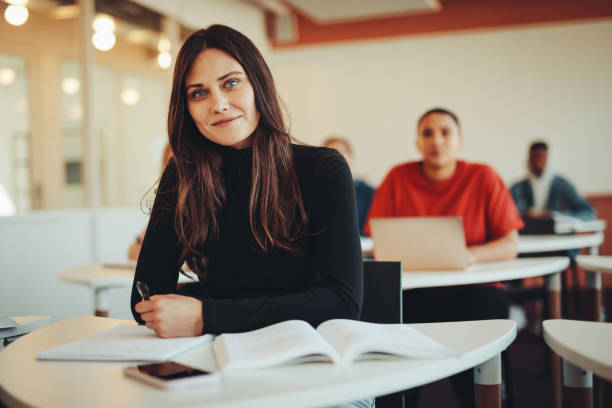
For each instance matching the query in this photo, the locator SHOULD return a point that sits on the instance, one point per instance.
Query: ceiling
(326, 11)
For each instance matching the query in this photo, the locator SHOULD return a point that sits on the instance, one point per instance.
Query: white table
(486, 272)
(95, 384)
(101, 277)
(585, 348)
(529, 244)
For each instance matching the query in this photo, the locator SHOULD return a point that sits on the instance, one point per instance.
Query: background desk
(95, 384)
(529, 244)
(102, 277)
(486, 272)
(585, 349)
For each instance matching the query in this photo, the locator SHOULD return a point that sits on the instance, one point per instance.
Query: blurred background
(84, 88)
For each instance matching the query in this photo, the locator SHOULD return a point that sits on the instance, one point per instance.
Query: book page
(356, 340)
(123, 343)
(285, 342)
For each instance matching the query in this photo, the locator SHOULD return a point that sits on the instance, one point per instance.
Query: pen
(143, 289)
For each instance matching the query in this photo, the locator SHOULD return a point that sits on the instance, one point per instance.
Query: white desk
(585, 348)
(102, 277)
(95, 384)
(595, 263)
(529, 244)
(486, 272)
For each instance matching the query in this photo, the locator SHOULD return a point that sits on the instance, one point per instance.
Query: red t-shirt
(474, 191)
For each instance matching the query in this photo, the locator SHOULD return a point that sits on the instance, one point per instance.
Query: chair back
(382, 303)
(382, 292)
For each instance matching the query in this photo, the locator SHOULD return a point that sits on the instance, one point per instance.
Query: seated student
(245, 208)
(442, 185)
(363, 191)
(544, 192)
(134, 249)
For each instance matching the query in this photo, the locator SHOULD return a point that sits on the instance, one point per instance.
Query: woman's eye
(232, 83)
(200, 93)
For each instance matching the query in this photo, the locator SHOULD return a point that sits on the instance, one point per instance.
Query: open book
(338, 341)
(123, 343)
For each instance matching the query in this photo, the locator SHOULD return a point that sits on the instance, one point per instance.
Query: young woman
(440, 185)
(251, 213)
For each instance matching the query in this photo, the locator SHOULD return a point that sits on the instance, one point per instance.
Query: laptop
(420, 243)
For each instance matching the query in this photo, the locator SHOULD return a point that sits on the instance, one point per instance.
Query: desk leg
(554, 309)
(593, 313)
(101, 302)
(593, 296)
(577, 386)
(593, 292)
(487, 383)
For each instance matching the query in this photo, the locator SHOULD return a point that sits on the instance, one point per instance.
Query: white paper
(123, 343)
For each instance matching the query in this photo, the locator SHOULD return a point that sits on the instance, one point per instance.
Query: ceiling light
(70, 85)
(102, 22)
(130, 96)
(103, 40)
(16, 15)
(164, 59)
(163, 45)
(7, 76)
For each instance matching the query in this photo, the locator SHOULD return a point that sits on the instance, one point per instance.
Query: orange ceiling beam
(456, 15)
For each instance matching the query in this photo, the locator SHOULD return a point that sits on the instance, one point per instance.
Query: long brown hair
(276, 211)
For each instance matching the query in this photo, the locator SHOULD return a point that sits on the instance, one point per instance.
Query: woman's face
(220, 99)
(439, 140)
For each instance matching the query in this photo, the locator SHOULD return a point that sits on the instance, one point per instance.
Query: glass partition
(43, 155)
(15, 182)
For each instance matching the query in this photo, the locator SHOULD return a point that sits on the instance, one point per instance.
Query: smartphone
(171, 375)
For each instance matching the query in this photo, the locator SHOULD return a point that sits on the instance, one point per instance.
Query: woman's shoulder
(315, 156)
(306, 152)
(313, 162)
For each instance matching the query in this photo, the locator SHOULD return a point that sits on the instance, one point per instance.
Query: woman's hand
(172, 315)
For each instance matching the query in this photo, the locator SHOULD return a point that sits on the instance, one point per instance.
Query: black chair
(382, 303)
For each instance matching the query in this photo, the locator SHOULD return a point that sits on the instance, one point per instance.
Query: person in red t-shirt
(440, 185)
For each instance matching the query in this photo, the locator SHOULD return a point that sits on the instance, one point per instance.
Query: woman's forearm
(496, 250)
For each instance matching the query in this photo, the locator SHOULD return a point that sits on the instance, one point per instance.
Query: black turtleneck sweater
(246, 290)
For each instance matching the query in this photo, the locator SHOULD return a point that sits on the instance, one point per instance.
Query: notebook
(123, 343)
(420, 243)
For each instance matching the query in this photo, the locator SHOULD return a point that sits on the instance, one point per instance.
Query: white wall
(508, 87)
(36, 246)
